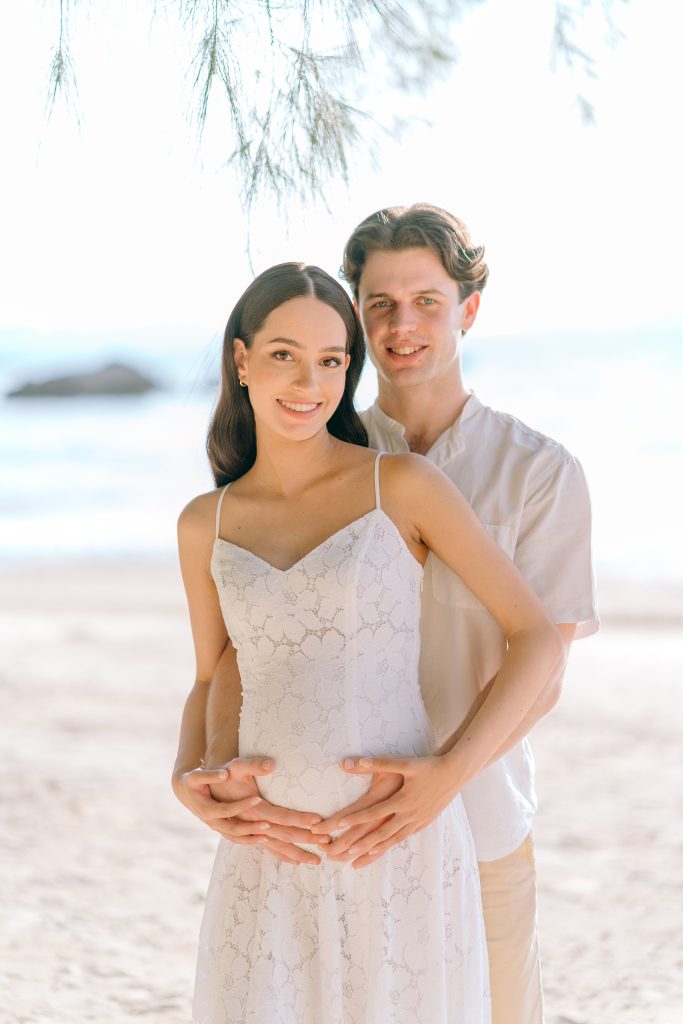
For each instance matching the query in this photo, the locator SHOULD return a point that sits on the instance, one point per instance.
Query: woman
(310, 558)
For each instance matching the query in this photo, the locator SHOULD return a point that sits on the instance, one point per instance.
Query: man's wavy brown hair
(417, 227)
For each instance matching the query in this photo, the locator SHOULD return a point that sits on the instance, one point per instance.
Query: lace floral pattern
(328, 653)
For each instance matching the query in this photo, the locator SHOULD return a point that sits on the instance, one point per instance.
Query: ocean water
(108, 476)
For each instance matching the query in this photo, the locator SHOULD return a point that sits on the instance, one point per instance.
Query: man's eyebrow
(295, 344)
(420, 291)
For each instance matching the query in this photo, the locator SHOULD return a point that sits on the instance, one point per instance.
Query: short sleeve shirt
(531, 496)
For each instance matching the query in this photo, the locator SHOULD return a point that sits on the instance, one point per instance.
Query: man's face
(413, 316)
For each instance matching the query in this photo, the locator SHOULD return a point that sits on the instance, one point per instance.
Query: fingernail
(254, 800)
(267, 765)
(348, 762)
(342, 824)
(365, 762)
(265, 824)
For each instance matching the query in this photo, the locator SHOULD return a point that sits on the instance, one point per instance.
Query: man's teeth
(406, 351)
(298, 407)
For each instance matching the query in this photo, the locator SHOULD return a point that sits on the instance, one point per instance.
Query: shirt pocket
(449, 589)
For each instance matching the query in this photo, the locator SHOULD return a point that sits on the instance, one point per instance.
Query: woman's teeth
(298, 406)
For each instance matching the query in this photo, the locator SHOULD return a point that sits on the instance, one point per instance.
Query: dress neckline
(321, 545)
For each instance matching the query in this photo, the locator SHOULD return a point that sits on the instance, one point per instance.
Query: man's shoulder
(493, 429)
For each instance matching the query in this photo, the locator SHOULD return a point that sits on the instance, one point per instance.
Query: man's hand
(427, 787)
(227, 800)
(381, 788)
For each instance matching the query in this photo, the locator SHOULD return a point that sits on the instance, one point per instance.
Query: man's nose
(402, 318)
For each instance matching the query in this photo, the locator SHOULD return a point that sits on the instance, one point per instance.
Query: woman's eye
(332, 361)
(282, 355)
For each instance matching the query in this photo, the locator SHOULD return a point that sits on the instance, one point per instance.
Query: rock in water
(115, 379)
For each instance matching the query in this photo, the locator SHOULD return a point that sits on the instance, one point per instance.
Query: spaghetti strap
(218, 509)
(377, 502)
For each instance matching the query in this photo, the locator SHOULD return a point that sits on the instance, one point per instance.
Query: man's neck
(425, 411)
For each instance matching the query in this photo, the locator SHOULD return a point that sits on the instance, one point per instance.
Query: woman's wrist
(180, 769)
(454, 768)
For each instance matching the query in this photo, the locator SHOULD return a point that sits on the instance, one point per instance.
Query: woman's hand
(427, 787)
(227, 800)
(381, 788)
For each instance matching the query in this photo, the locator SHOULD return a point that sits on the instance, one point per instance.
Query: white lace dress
(328, 655)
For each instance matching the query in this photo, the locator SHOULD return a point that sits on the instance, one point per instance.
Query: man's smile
(405, 352)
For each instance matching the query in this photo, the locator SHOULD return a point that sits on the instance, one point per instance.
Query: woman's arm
(224, 795)
(448, 526)
(542, 705)
(190, 782)
(434, 516)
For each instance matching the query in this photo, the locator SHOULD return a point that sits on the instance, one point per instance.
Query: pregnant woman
(309, 558)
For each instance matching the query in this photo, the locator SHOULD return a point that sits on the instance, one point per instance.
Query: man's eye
(382, 304)
(427, 300)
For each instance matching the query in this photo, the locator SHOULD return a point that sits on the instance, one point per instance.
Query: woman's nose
(306, 376)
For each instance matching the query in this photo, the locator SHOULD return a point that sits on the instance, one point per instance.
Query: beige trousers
(508, 891)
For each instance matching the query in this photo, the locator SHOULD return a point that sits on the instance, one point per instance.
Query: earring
(243, 383)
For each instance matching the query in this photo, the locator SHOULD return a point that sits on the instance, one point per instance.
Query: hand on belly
(305, 786)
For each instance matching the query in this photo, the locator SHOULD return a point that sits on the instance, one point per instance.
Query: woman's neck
(285, 468)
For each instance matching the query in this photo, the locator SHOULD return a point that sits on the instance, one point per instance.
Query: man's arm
(222, 710)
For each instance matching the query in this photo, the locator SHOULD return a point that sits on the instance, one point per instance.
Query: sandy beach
(104, 873)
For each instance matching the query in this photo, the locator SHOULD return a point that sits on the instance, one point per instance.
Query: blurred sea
(108, 476)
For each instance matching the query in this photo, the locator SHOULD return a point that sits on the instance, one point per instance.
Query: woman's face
(295, 368)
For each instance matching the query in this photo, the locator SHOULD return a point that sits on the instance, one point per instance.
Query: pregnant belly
(310, 784)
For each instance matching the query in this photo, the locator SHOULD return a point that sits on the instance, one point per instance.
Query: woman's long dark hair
(231, 441)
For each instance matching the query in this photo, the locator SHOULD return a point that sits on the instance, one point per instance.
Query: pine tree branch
(291, 112)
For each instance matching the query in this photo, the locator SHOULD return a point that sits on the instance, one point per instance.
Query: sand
(104, 873)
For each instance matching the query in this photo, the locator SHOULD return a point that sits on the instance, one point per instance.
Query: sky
(125, 222)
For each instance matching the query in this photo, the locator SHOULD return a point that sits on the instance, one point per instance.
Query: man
(417, 281)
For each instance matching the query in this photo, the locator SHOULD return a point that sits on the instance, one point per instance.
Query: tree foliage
(289, 71)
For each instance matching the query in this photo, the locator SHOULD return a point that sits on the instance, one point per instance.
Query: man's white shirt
(531, 496)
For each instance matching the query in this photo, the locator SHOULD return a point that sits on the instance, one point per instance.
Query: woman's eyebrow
(295, 344)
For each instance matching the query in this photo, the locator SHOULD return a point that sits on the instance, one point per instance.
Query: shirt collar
(448, 445)
(385, 422)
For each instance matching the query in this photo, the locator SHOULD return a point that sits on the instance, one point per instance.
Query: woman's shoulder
(413, 482)
(199, 515)
(407, 468)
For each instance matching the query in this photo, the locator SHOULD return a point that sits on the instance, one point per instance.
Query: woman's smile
(302, 410)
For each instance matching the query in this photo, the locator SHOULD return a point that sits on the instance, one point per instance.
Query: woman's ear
(239, 353)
